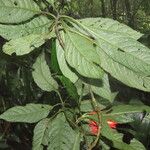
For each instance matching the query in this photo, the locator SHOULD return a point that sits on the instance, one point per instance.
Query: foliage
(75, 60)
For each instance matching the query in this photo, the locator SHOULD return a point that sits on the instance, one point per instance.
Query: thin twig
(58, 33)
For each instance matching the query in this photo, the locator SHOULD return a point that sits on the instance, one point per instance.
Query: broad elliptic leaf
(80, 53)
(121, 55)
(63, 64)
(104, 89)
(61, 135)
(30, 113)
(15, 11)
(39, 132)
(38, 25)
(24, 45)
(42, 75)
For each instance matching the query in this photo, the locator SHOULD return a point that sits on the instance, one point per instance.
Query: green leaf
(63, 64)
(30, 113)
(53, 60)
(24, 45)
(104, 90)
(61, 135)
(71, 89)
(125, 59)
(121, 113)
(121, 109)
(77, 140)
(42, 75)
(38, 25)
(111, 26)
(80, 53)
(39, 132)
(124, 74)
(134, 144)
(15, 11)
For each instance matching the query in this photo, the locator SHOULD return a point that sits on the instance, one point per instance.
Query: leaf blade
(17, 11)
(42, 75)
(30, 113)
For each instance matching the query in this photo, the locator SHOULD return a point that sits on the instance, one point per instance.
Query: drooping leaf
(104, 90)
(24, 45)
(63, 64)
(39, 132)
(42, 75)
(39, 25)
(122, 56)
(15, 11)
(61, 135)
(30, 113)
(80, 53)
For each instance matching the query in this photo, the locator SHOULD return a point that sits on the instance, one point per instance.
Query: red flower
(112, 124)
(93, 127)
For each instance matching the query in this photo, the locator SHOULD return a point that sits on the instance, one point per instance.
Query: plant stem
(97, 109)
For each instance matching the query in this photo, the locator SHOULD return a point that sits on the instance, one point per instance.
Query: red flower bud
(112, 124)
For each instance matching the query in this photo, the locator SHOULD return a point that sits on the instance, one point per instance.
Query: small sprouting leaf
(30, 113)
(42, 75)
(15, 11)
(39, 132)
